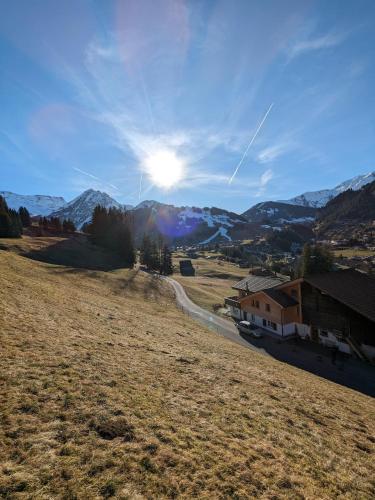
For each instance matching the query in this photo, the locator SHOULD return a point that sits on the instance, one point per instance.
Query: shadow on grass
(77, 253)
(316, 359)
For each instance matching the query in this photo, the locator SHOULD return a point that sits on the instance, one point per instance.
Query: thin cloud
(320, 43)
(272, 153)
(266, 177)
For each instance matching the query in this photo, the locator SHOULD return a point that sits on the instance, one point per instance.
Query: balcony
(232, 302)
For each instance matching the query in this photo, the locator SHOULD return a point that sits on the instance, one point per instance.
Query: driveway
(314, 358)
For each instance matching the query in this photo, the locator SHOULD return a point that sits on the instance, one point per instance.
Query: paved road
(222, 326)
(308, 356)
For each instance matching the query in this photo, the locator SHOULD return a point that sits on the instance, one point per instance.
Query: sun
(164, 168)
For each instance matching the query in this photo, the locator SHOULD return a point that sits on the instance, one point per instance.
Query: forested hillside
(349, 211)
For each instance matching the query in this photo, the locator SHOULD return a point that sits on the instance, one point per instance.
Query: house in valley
(336, 309)
(270, 301)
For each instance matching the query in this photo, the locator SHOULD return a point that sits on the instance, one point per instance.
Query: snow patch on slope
(207, 217)
(222, 231)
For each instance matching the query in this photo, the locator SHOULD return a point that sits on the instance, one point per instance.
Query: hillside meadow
(213, 279)
(108, 390)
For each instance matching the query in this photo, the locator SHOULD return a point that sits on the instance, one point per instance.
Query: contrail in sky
(95, 177)
(250, 143)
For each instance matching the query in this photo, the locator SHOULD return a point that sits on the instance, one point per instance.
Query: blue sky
(90, 89)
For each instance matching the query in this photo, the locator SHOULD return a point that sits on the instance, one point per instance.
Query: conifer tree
(68, 226)
(166, 266)
(25, 216)
(5, 224)
(16, 229)
(110, 228)
(145, 251)
(10, 222)
(316, 259)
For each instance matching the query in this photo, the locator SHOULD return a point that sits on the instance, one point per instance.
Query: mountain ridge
(318, 199)
(350, 214)
(37, 204)
(188, 224)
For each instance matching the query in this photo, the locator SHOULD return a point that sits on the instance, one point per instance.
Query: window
(252, 317)
(257, 304)
(268, 307)
(264, 322)
(272, 325)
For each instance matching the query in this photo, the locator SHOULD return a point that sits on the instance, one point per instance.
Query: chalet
(336, 309)
(269, 301)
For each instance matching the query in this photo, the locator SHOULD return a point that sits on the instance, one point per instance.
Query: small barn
(186, 268)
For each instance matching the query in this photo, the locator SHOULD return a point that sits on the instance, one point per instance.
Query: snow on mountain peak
(36, 204)
(94, 198)
(147, 204)
(318, 199)
(81, 208)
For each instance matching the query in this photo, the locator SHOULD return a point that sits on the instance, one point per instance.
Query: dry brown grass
(354, 252)
(108, 390)
(213, 280)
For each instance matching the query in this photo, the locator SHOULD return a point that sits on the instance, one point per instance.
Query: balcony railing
(232, 301)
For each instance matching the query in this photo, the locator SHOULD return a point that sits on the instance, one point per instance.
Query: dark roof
(281, 298)
(254, 283)
(354, 289)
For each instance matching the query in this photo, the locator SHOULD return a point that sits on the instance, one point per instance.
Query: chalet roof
(281, 298)
(354, 289)
(254, 283)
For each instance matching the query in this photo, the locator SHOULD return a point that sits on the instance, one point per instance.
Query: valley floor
(107, 389)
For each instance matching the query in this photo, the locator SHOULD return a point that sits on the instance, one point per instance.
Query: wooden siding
(273, 315)
(322, 311)
(277, 313)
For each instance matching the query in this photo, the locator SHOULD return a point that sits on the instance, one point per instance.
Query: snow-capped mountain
(81, 208)
(35, 204)
(319, 199)
(189, 225)
(148, 204)
(275, 212)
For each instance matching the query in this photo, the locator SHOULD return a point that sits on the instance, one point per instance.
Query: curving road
(220, 325)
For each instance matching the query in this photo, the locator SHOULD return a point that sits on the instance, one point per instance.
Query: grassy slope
(354, 252)
(213, 281)
(88, 355)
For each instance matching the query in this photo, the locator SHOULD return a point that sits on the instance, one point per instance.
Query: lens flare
(164, 168)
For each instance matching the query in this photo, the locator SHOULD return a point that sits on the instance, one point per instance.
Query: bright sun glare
(164, 168)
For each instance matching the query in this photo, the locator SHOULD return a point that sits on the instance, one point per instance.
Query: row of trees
(54, 225)
(156, 256)
(111, 229)
(12, 221)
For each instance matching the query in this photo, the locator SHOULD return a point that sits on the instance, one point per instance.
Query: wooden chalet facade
(339, 307)
(271, 302)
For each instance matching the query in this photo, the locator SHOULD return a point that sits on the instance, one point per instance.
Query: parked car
(247, 327)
